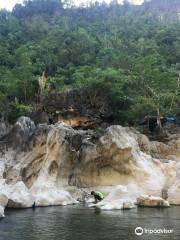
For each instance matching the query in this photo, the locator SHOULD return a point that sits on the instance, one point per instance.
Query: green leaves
(127, 53)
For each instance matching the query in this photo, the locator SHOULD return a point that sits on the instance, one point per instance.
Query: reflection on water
(82, 223)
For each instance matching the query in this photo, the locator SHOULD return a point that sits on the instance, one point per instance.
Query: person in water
(98, 196)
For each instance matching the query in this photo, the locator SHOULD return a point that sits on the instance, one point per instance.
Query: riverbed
(83, 223)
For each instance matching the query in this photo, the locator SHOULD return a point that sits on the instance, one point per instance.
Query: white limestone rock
(151, 201)
(19, 196)
(51, 196)
(60, 157)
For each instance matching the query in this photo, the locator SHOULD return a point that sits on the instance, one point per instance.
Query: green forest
(129, 53)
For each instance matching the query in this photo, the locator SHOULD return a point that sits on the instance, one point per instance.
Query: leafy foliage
(130, 53)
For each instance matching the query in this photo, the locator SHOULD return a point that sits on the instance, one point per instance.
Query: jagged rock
(151, 201)
(160, 150)
(20, 135)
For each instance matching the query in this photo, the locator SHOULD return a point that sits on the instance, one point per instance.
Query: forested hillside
(129, 53)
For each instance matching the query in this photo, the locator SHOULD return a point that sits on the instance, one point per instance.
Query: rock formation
(150, 201)
(48, 163)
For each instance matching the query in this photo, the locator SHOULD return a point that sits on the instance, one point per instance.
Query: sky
(9, 4)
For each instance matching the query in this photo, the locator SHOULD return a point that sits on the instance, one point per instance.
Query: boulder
(151, 201)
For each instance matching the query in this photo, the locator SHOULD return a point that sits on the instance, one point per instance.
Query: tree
(125, 52)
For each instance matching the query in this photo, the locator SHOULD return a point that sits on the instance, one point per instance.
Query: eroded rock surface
(51, 159)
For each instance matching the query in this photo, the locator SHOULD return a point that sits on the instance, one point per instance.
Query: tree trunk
(159, 119)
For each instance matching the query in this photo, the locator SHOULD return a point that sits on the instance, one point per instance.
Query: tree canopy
(131, 53)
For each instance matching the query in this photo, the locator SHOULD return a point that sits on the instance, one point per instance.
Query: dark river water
(82, 223)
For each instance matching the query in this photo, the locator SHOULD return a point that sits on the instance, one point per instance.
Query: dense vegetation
(130, 53)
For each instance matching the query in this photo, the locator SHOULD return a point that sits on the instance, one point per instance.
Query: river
(82, 223)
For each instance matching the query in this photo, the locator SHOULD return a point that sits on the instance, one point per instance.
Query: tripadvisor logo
(139, 231)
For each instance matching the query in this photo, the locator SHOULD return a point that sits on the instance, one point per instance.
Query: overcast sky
(9, 4)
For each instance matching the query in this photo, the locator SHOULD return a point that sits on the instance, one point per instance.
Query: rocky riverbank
(50, 164)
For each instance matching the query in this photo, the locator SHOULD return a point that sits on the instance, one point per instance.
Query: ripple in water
(82, 223)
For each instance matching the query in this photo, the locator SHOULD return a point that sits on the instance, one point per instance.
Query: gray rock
(21, 133)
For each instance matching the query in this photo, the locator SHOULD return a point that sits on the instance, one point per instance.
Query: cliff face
(49, 158)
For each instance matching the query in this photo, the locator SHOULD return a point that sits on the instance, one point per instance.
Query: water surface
(82, 223)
